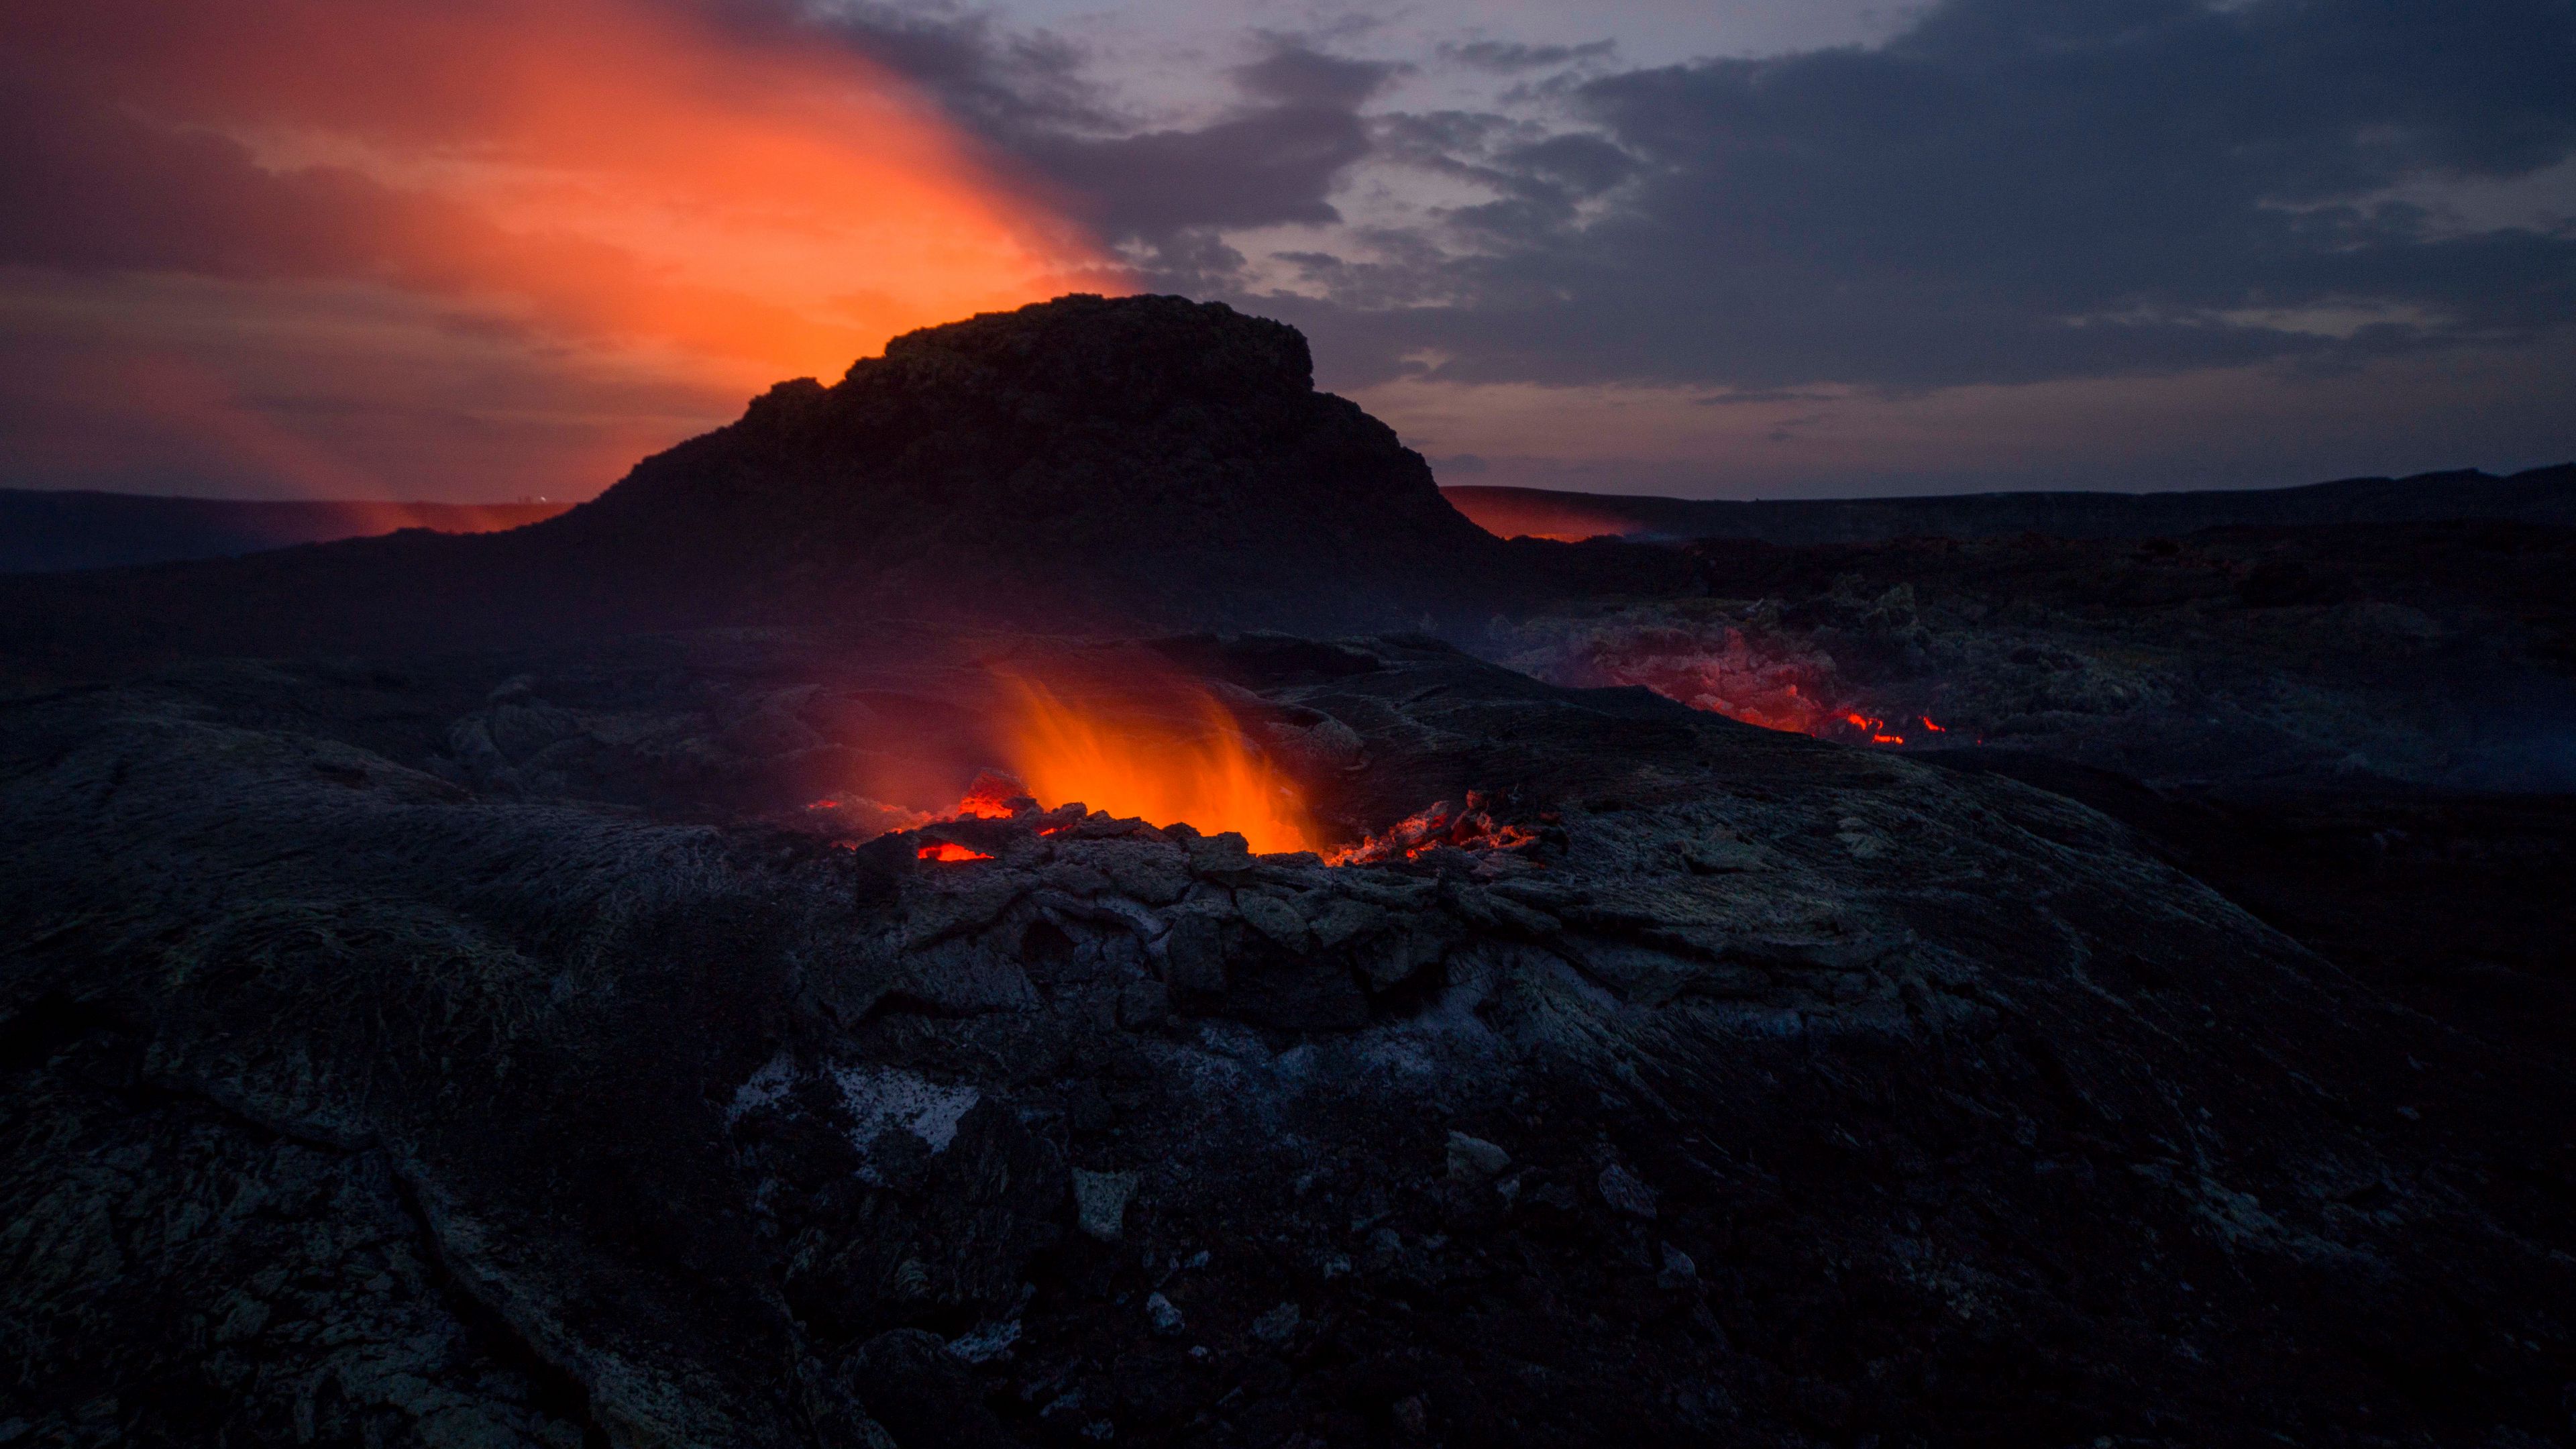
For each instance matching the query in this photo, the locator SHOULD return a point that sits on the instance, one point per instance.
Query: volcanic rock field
(602, 984)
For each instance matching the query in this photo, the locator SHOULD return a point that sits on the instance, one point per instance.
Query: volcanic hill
(1082, 462)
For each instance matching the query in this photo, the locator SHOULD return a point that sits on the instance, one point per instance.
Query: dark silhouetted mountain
(1143, 456)
(1088, 461)
(45, 532)
(2541, 495)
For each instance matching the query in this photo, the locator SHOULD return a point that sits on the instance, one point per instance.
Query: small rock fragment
(1384, 1245)
(1100, 1202)
(1339, 919)
(1143, 1004)
(1624, 1193)
(1412, 1417)
(1274, 918)
(1162, 1317)
(986, 1342)
(1475, 1160)
(1275, 1326)
(1193, 958)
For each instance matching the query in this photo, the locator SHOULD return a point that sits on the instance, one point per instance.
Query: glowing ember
(1733, 676)
(990, 797)
(1754, 680)
(824, 805)
(949, 850)
(1197, 770)
(1442, 826)
(1873, 727)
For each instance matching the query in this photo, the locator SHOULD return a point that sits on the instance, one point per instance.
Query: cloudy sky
(472, 250)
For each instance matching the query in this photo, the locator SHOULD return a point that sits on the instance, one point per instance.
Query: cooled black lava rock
(1837, 1097)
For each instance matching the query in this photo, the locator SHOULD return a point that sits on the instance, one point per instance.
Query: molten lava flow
(991, 797)
(1873, 727)
(1198, 771)
(949, 850)
(1734, 676)
(1442, 826)
(1754, 676)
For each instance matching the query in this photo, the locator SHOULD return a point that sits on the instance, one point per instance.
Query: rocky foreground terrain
(482, 1049)
(579, 985)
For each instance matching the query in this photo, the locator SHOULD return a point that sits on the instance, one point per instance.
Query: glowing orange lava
(1756, 679)
(949, 850)
(990, 797)
(1875, 728)
(1196, 770)
(1442, 825)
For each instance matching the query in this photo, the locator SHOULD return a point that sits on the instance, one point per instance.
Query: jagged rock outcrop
(1836, 1096)
(1086, 458)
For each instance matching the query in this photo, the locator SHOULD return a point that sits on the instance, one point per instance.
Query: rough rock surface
(354, 1096)
(2429, 654)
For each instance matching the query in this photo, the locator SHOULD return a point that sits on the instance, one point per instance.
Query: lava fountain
(1194, 768)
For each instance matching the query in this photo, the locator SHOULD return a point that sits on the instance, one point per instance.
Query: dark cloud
(1270, 165)
(1275, 160)
(1760, 398)
(86, 188)
(1497, 55)
(1295, 75)
(2012, 190)
(1009, 83)
(1272, 159)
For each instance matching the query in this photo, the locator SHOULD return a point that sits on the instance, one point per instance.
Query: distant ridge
(49, 532)
(2540, 495)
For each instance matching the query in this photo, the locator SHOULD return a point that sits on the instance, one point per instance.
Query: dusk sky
(466, 250)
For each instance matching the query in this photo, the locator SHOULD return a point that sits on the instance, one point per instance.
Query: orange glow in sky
(635, 187)
(615, 168)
